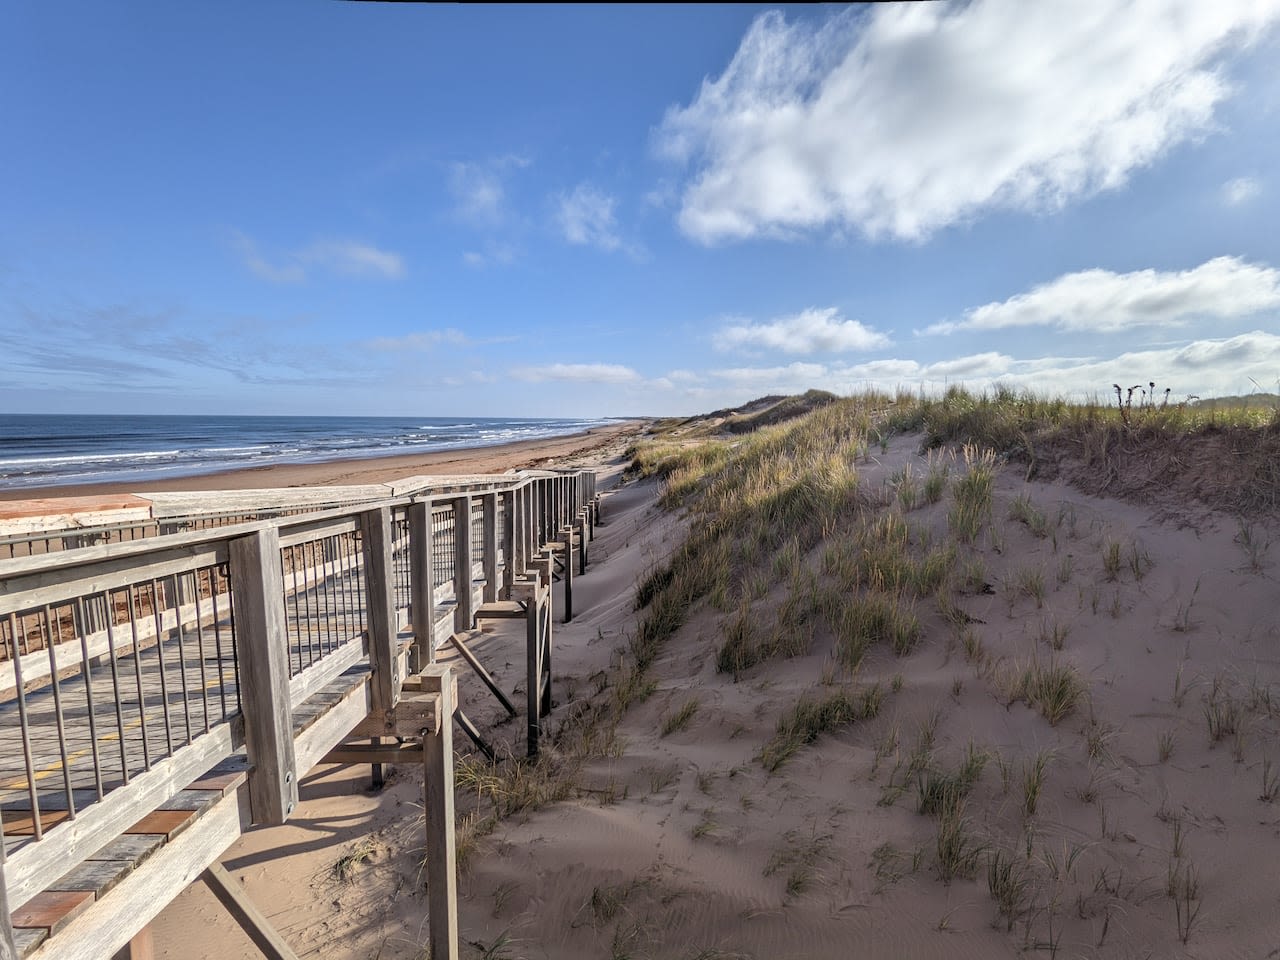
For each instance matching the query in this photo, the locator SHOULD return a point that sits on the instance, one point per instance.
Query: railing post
(422, 587)
(464, 612)
(437, 775)
(380, 604)
(489, 531)
(509, 539)
(566, 534)
(262, 646)
(544, 512)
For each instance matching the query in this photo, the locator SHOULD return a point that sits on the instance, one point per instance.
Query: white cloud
(421, 340)
(790, 374)
(905, 118)
(1214, 367)
(577, 373)
(261, 267)
(345, 257)
(354, 259)
(807, 332)
(479, 189)
(586, 218)
(1241, 190)
(683, 376)
(1099, 300)
(495, 252)
(478, 192)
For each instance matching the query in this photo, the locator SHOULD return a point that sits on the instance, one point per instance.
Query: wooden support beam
(422, 587)
(533, 676)
(482, 673)
(437, 775)
(489, 502)
(141, 947)
(262, 644)
(358, 753)
(469, 728)
(582, 542)
(463, 614)
(232, 896)
(544, 706)
(566, 535)
(380, 602)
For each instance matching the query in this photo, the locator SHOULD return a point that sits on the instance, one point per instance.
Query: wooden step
(502, 610)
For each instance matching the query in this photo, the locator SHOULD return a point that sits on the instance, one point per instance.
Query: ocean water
(45, 450)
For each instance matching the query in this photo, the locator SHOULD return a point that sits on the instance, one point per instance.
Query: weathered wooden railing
(132, 668)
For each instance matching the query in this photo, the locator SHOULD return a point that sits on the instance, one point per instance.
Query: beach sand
(678, 843)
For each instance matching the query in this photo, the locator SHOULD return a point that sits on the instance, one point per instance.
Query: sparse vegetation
(680, 718)
(811, 718)
(1055, 689)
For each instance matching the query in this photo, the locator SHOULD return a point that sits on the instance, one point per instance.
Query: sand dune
(682, 844)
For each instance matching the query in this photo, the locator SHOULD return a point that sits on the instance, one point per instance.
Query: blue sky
(412, 209)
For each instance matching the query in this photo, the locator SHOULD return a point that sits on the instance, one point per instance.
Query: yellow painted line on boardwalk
(56, 767)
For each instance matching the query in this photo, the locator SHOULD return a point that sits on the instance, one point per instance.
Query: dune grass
(810, 718)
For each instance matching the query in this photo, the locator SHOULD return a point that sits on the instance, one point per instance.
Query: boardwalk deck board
(52, 910)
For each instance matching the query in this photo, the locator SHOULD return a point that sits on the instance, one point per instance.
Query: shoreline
(498, 458)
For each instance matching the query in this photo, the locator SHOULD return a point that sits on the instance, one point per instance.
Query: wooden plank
(263, 646)
(333, 726)
(132, 847)
(191, 799)
(59, 515)
(54, 578)
(224, 777)
(168, 823)
(500, 610)
(380, 602)
(24, 941)
(184, 504)
(94, 876)
(232, 896)
(107, 925)
(362, 753)
(52, 910)
(21, 823)
(442, 869)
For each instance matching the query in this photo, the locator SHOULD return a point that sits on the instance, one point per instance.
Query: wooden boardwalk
(162, 695)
